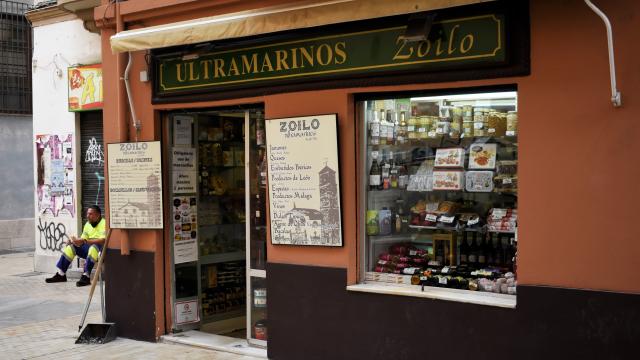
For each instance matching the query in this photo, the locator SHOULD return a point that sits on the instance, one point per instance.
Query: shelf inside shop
(435, 142)
(501, 231)
(220, 258)
(224, 315)
(226, 142)
(223, 224)
(445, 228)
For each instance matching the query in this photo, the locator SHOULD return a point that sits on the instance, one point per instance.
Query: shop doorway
(218, 230)
(91, 161)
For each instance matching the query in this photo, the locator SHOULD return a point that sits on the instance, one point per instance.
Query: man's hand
(76, 241)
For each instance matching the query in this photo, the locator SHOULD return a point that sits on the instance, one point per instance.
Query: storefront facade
(575, 293)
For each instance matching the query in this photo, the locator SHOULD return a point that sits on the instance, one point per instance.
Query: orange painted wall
(578, 155)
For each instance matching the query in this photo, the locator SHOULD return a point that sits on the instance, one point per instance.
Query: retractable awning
(295, 15)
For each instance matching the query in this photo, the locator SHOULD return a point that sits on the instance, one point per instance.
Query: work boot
(56, 278)
(84, 281)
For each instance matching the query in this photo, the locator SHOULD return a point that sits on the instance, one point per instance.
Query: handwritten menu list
(303, 181)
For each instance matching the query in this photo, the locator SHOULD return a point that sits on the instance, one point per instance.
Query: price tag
(491, 130)
(507, 181)
(423, 278)
(442, 280)
(447, 219)
(445, 270)
(498, 213)
(413, 252)
(411, 128)
(511, 133)
(473, 221)
(421, 130)
(478, 125)
(431, 218)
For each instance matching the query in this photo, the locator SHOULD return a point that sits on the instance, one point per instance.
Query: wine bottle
(464, 250)
(374, 128)
(392, 122)
(375, 173)
(401, 133)
(473, 252)
(393, 172)
(403, 176)
(482, 253)
(386, 167)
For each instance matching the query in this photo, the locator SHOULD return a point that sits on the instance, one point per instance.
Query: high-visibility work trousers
(86, 251)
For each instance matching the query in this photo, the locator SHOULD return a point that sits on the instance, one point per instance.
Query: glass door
(256, 172)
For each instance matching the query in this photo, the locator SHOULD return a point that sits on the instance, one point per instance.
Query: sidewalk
(40, 321)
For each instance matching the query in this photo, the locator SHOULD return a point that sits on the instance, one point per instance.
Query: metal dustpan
(97, 333)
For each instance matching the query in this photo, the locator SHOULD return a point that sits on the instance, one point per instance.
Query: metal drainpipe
(134, 119)
(123, 130)
(615, 94)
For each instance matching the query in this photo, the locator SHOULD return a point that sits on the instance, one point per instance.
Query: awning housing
(298, 15)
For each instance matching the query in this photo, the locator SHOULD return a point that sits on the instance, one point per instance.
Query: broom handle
(94, 281)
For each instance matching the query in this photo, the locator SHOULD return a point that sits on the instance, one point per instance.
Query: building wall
(57, 46)
(16, 212)
(577, 178)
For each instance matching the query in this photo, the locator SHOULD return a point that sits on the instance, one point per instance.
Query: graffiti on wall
(52, 236)
(94, 154)
(56, 176)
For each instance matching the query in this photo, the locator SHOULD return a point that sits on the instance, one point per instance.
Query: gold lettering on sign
(281, 60)
(399, 54)
(266, 63)
(451, 36)
(233, 68)
(250, 66)
(329, 55)
(341, 52)
(306, 55)
(469, 40)
(182, 77)
(204, 64)
(191, 76)
(218, 68)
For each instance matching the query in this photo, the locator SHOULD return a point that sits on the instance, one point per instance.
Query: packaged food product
(506, 183)
(448, 180)
(512, 123)
(384, 221)
(506, 167)
(449, 157)
(482, 156)
(470, 220)
(496, 124)
(443, 126)
(479, 181)
(448, 207)
(372, 222)
(467, 126)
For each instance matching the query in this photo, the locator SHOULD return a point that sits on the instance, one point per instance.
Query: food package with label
(482, 156)
(506, 183)
(506, 167)
(478, 181)
(448, 180)
(470, 220)
(447, 220)
(449, 157)
(502, 220)
(447, 207)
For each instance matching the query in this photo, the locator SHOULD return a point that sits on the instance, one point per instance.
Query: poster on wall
(304, 180)
(135, 185)
(185, 225)
(85, 87)
(56, 176)
(187, 312)
(182, 130)
(184, 170)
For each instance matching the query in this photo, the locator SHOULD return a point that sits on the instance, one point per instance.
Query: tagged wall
(56, 144)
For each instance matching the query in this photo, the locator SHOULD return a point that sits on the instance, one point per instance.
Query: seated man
(88, 247)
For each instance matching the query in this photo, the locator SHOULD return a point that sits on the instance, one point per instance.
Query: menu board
(304, 180)
(135, 185)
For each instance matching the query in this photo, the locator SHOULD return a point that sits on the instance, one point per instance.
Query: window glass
(441, 187)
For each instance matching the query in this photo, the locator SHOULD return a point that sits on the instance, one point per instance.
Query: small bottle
(393, 172)
(392, 122)
(374, 129)
(401, 130)
(375, 173)
(383, 127)
(386, 169)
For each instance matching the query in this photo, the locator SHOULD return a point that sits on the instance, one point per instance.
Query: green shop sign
(461, 42)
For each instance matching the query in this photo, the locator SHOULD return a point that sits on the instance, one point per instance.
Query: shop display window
(440, 186)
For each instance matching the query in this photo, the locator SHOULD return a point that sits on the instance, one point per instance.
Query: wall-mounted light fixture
(418, 27)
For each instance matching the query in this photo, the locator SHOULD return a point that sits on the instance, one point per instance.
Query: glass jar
(412, 129)
(423, 127)
(479, 122)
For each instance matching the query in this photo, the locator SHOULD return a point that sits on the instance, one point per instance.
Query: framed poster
(135, 185)
(304, 180)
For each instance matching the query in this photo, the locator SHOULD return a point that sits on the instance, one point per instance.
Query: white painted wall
(56, 47)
